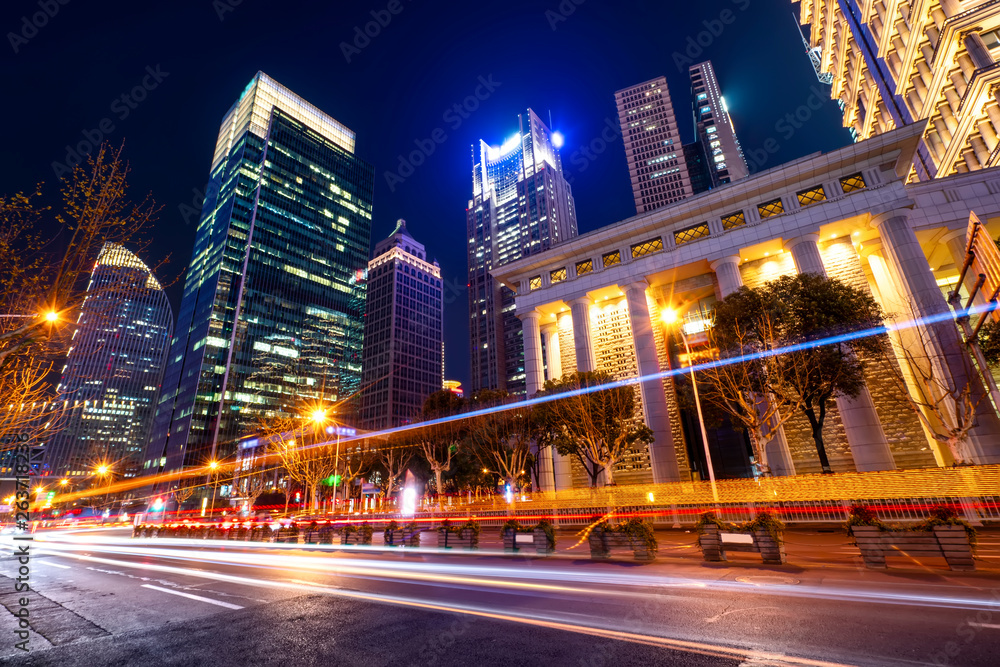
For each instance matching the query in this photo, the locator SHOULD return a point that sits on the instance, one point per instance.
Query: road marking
(227, 605)
(991, 626)
(65, 567)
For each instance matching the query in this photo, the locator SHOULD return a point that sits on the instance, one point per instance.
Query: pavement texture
(102, 598)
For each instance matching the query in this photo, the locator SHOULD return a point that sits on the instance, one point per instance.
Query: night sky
(565, 58)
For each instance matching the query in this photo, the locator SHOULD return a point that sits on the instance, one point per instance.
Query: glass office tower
(273, 306)
(522, 205)
(113, 370)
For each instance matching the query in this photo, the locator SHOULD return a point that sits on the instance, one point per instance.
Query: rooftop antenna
(815, 54)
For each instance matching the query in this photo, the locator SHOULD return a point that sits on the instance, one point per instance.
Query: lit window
(584, 267)
(711, 129)
(647, 248)
(691, 234)
(535, 282)
(558, 275)
(733, 220)
(851, 183)
(811, 196)
(612, 258)
(702, 96)
(773, 207)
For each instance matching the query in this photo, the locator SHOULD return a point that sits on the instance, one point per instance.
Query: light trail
(943, 317)
(320, 559)
(550, 621)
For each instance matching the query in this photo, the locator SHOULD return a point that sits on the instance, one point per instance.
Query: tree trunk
(609, 474)
(816, 422)
(437, 480)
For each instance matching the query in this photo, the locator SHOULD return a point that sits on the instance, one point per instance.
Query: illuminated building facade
(725, 162)
(653, 146)
(848, 214)
(403, 352)
(273, 305)
(521, 205)
(113, 370)
(893, 63)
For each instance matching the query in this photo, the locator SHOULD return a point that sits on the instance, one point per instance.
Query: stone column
(662, 455)
(869, 446)
(553, 359)
(582, 340)
(776, 451)
(957, 245)
(559, 467)
(948, 357)
(532, 338)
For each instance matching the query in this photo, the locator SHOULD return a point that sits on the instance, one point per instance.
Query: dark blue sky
(65, 76)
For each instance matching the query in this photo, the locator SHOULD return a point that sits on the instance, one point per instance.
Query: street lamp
(670, 317)
(213, 466)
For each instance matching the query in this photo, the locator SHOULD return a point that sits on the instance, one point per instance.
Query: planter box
(604, 544)
(355, 538)
(326, 533)
(312, 535)
(519, 541)
(715, 543)
(948, 542)
(288, 535)
(466, 539)
(403, 538)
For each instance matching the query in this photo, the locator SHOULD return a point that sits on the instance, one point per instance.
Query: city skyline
(169, 158)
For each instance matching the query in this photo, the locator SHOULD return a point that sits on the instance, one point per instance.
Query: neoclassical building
(597, 302)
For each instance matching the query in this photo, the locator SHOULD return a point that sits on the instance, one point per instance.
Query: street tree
(501, 434)
(46, 256)
(596, 421)
(799, 312)
(395, 455)
(440, 438)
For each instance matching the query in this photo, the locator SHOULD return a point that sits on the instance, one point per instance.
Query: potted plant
(405, 536)
(633, 535)
(358, 535)
(943, 534)
(764, 534)
(465, 536)
(509, 532)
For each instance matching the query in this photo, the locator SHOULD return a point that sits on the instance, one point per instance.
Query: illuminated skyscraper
(403, 361)
(521, 205)
(653, 145)
(714, 128)
(894, 63)
(273, 306)
(113, 370)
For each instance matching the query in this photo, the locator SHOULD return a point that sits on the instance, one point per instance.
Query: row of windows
(733, 220)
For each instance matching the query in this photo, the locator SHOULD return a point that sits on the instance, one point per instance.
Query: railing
(899, 495)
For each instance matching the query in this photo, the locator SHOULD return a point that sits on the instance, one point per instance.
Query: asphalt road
(101, 598)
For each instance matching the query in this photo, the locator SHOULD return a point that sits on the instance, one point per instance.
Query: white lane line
(227, 605)
(991, 626)
(65, 567)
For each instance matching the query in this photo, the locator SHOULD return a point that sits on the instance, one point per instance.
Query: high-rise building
(273, 305)
(694, 156)
(113, 370)
(653, 145)
(894, 63)
(714, 128)
(521, 205)
(403, 351)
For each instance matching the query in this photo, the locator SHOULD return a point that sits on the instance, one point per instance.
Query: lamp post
(104, 471)
(213, 465)
(669, 318)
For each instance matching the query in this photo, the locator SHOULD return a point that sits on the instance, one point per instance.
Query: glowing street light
(63, 482)
(319, 416)
(102, 470)
(51, 316)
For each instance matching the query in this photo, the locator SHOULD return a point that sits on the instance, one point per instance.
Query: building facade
(653, 146)
(521, 205)
(893, 63)
(714, 129)
(848, 214)
(273, 305)
(404, 337)
(113, 370)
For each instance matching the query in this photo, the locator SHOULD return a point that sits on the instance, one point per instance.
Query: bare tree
(738, 386)
(501, 435)
(395, 455)
(443, 435)
(598, 426)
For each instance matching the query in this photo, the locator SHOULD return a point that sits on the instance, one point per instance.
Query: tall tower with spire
(403, 358)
